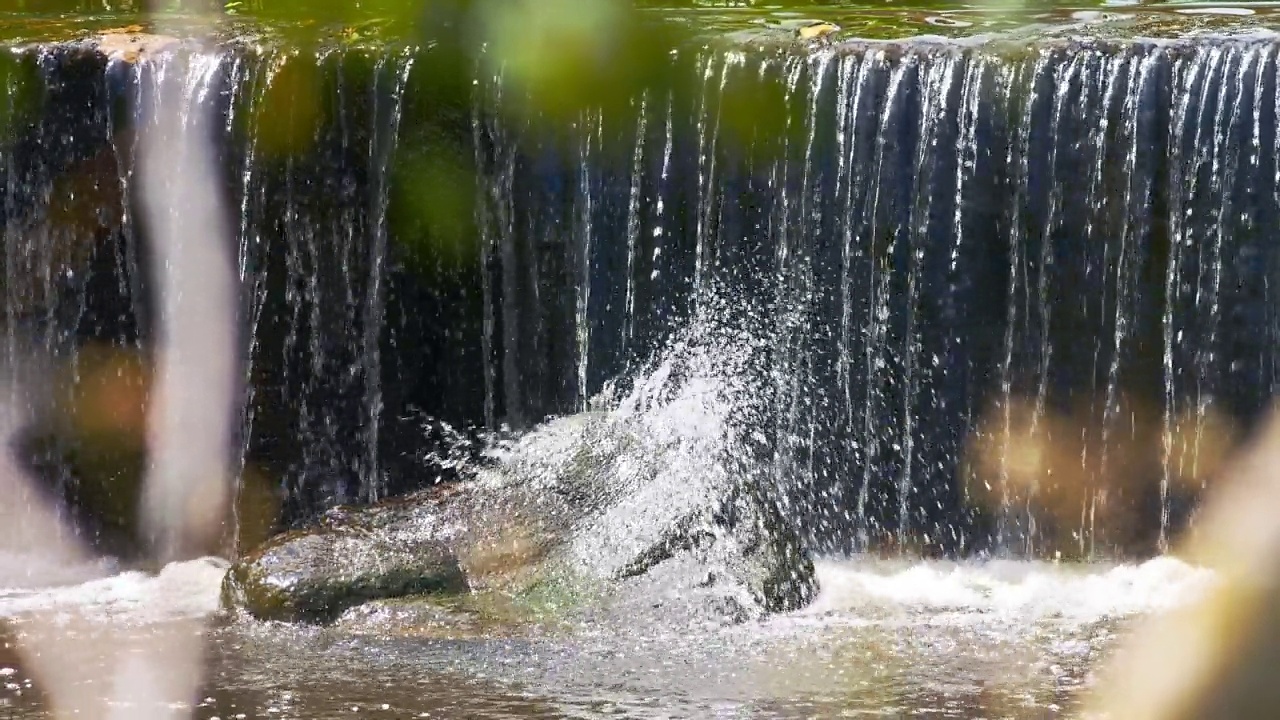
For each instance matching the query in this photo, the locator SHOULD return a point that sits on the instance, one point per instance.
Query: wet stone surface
(315, 576)
(559, 526)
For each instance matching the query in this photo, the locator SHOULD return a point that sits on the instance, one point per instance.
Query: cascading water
(941, 232)
(941, 247)
(312, 248)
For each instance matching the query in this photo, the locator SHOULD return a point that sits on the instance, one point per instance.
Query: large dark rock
(598, 515)
(314, 575)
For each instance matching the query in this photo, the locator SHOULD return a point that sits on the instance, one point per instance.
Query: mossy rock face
(316, 574)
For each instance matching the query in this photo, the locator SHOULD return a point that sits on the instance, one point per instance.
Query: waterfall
(312, 245)
(940, 233)
(954, 268)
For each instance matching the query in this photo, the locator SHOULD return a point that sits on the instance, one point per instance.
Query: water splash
(919, 213)
(898, 224)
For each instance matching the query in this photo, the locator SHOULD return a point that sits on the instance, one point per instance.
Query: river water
(1009, 639)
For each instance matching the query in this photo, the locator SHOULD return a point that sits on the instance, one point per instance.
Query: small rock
(409, 617)
(817, 30)
(129, 45)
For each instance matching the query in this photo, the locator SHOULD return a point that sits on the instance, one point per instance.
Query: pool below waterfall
(885, 638)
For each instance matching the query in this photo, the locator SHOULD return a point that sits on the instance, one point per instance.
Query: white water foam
(1011, 591)
(858, 590)
(180, 590)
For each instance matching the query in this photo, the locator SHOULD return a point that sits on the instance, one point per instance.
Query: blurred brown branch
(1218, 657)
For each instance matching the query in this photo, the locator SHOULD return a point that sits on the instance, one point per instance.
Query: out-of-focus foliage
(558, 59)
(21, 104)
(436, 190)
(290, 108)
(316, 8)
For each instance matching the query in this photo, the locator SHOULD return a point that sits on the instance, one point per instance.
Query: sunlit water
(884, 638)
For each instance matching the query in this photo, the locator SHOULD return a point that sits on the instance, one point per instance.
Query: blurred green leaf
(289, 112)
(434, 204)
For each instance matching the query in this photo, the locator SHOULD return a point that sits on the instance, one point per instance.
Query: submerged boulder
(638, 510)
(645, 511)
(315, 574)
(570, 520)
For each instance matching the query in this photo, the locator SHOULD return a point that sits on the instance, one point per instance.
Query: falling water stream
(991, 304)
(1076, 227)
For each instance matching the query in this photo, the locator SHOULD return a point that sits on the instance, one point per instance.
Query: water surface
(884, 638)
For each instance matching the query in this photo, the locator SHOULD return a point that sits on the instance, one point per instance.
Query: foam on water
(881, 636)
(31, 572)
(180, 590)
(1012, 591)
(856, 590)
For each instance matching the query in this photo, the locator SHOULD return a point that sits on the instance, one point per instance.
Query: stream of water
(883, 639)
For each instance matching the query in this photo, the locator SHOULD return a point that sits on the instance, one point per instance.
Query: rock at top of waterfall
(816, 29)
(595, 516)
(131, 43)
